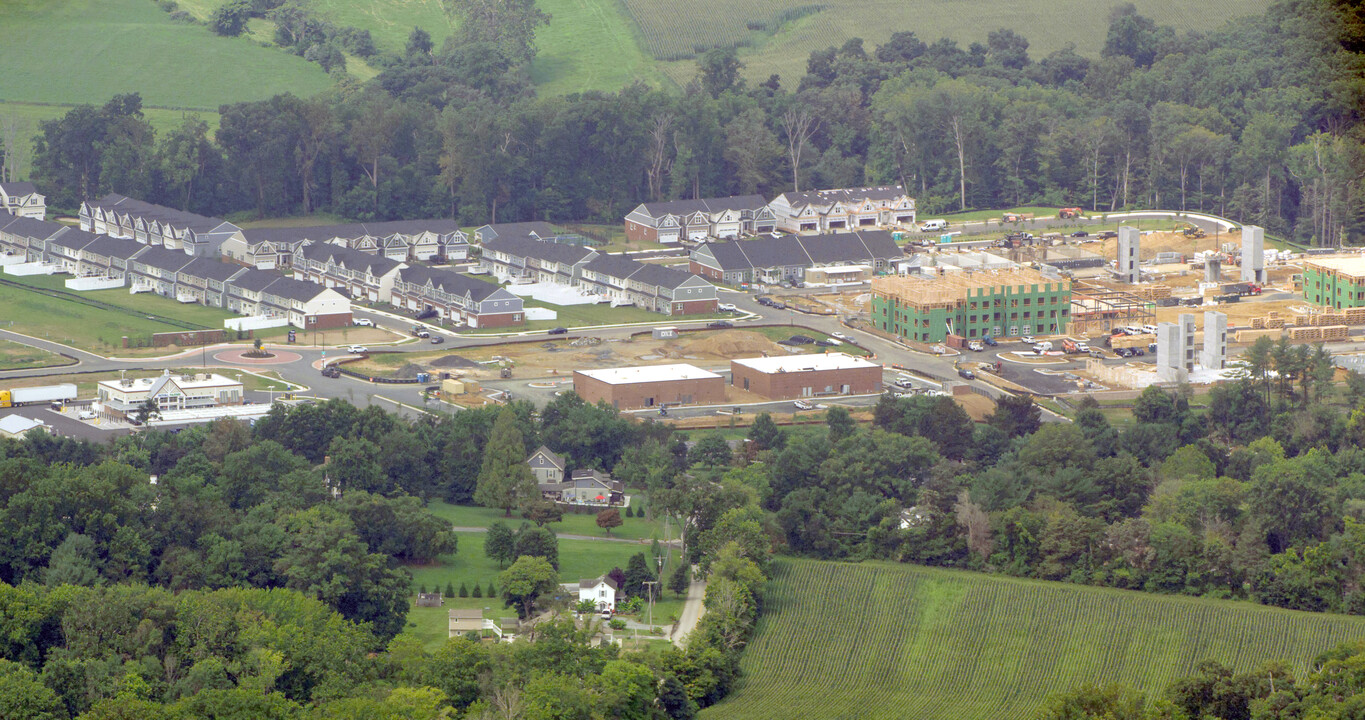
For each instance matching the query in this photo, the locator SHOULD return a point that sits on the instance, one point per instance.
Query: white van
(1149, 329)
(1042, 347)
(933, 225)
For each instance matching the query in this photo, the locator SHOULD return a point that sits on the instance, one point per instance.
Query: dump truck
(1241, 289)
(15, 397)
(1069, 213)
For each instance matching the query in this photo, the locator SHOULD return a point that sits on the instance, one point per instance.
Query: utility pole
(651, 584)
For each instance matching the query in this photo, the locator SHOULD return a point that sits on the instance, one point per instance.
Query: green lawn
(75, 51)
(92, 328)
(885, 640)
(17, 356)
(572, 524)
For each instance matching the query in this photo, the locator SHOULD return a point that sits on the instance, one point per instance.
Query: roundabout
(240, 357)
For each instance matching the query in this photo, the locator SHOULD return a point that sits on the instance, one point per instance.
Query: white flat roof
(198, 415)
(806, 363)
(843, 268)
(647, 373)
(199, 381)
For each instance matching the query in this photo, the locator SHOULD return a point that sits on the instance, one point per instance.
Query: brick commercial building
(631, 388)
(1334, 283)
(971, 305)
(801, 376)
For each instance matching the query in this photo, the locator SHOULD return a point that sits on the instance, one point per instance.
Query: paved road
(569, 536)
(692, 611)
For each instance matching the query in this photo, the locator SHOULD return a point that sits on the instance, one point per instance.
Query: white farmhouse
(600, 590)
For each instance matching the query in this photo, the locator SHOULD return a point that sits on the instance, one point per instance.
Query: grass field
(572, 524)
(669, 29)
(881, 640)
(17, 356)
(76, 51)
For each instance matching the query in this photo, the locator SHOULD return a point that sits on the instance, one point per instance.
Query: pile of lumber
(1319, 333)
(1152, 292)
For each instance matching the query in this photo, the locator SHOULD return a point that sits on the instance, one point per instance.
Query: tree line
(1258, 121)
(226, 572)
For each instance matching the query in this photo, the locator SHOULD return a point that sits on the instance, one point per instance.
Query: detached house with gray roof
(696, 220)
(456, 297)
(22, 199)
(773, 260)
(826, 211)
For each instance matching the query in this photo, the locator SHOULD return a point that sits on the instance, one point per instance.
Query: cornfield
(880, 640)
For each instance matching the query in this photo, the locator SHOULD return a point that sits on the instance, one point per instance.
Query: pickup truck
(421, 332)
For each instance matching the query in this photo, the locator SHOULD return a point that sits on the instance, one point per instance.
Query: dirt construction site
(562, 357)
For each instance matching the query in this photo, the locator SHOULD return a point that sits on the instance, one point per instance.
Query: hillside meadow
(885, 640)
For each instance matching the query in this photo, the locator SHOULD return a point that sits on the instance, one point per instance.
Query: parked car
(1122, 352)
(331, 371)
(966, 374)
(1097, 353)
(990, 341)
(357, 349)
(905, 383)
(437, 339)
(364, 322)
(826, 343)
(1139, 351)
(1106, 234)
(840, 336)
(556, 331)
(1080, 233)
(726, 307)
(976, 346)
(1027, 339)
(421, 332)
(719, 325)
(803, 405)
(86, 415)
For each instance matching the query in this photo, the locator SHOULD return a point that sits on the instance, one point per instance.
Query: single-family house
(695, 220)
(601, 591)
(547, 466)
(22, 199)
(826, 211)
(586, 487)
(455, 297)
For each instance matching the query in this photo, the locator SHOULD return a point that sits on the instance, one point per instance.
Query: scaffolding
(1096, 309)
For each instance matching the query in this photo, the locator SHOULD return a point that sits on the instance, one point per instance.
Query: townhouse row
(846, 257)
(816, 212)
(173, 273)
(620, 279)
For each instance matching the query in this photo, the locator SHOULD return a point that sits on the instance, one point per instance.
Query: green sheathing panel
(1000, 311)
(1326, 287)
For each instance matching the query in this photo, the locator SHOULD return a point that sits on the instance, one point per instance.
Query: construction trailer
(1096, 309)
(1003, 303)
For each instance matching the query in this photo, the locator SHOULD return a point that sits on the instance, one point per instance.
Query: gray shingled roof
(661, 276)
(292, 289)
(121, 248)
(164, 259)
(503, 231)
(255, 280)
(710, 205)
(33, 228)
(74, 239)
(526, 247)
(211, 269)
(449, 282)
(18, 189)
(351, 258)
(152, 211)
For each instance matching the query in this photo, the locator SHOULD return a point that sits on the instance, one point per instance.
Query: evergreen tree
(505, 481)
(464, 591)
(499, 543)
(492, 590)
(450, 589)
(478, 591)
(681, 578)
(638, 572)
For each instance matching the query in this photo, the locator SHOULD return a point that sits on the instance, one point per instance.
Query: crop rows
(892, 641)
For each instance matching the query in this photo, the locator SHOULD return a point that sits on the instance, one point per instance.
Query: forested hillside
(1258, 121)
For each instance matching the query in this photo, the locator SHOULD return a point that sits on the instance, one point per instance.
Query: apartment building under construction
(1003, 303)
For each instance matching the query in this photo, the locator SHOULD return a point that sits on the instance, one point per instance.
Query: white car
(86, 415)
(803, 405)
(726, 307)
(364, 322)
(357, 349)
(1027, 339)
(840, 335)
